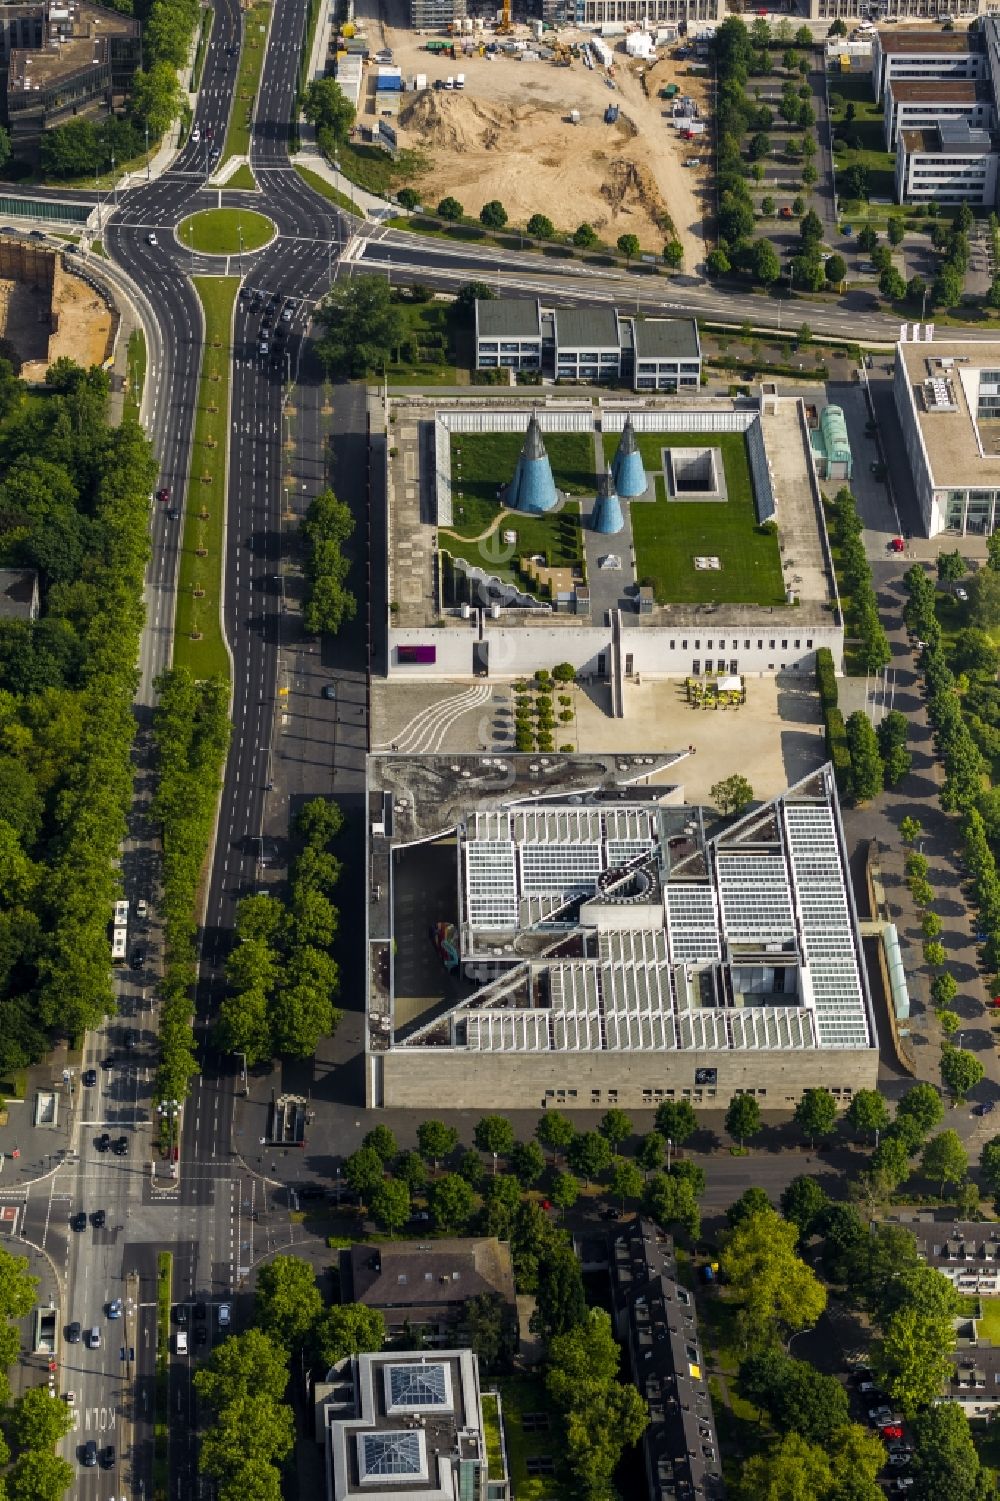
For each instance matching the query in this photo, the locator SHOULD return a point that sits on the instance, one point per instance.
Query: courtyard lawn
(538, 1439)
(989, 1323)
(482, 462)
(866, 129)
(428, 325)
(669, 535)
(559, 536)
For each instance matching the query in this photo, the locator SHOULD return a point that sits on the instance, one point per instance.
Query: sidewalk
(27, 1151)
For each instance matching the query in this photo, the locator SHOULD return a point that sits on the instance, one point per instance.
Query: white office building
(922, 104)
(930, 53)
(950, 163)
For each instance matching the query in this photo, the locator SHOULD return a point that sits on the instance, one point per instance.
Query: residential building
(975, 1381)
(592, 946)
(657, 1322)
(406, 1424)
(588, 344)
(922, 104)
(966, 1252)
(947, 394)
(667, 354)
(427, 1288)
(508, 334)
(63, 61)
(928, 54)
(19, 594)
(436, 15)
(949, 163)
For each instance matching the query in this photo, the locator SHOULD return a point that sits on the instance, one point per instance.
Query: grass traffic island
(161, 1395)
(218, 231)
(242, 180)
(255, 24)
(669, 535)
(198, 640)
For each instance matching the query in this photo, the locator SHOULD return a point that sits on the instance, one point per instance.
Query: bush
(826, 679)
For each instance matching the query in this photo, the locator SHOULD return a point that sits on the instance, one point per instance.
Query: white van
(181, 1345)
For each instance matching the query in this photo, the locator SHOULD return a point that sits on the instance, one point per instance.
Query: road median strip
(256, 22)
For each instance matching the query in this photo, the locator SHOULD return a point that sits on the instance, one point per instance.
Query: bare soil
(508, 136)
(83, 327)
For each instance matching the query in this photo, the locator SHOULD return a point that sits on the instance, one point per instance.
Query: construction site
(503, 114)
(47, 312)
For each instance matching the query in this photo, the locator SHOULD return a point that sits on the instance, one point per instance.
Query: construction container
(574, 117)
(419, 81)
(611, 114)
(460, 80)
(670, 91)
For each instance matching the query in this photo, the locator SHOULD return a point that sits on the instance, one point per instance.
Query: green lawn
(217, 231)
(374, 170)
(527, 1394)
(429, 324)
(558, 536)
(242, 180)
(198, 639)
(136, 356)
(989, 1324)
(480, 462)
(247, 81)
(491, 1432)
(668, 535)
(326, 190)
(866, 127)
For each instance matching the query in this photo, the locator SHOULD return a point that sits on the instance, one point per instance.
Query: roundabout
(226, 231)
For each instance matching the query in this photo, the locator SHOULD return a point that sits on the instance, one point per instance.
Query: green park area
(255, 23)
(669, 535)
(225, 231)
(198, 639)
(858, 140)
(426, 354)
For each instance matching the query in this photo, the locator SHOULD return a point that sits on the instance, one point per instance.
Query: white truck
(460, 80)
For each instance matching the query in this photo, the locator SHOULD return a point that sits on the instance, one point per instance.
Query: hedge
(833, 720)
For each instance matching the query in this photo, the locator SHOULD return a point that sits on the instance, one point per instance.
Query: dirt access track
(508, 136)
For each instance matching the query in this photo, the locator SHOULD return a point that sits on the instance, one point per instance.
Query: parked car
(79, 1220)
(94, 1338)
(98, 1219)
(115, 1309)
(141, 908)
(120, 1146)
(102, 1142)
(108, 1457)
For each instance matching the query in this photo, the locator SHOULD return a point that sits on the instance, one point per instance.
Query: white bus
(119, 945)
(121, 915)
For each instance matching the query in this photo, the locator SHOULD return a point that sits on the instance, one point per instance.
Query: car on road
(961, 594)
(225, 1315)
(151, 238)
(74, 1333)
(94, 1338)
(108, 1457)
(138, 958)
(142, 908)
(115, 1309)
(329, 691)
(201, 1335)
(287, 312)
(88, 1455)
(69, 1398)
(196, 134)
(38, 234)
(201, 1311)
(180, 1314)
(89, 1078)
(181, 1342)
(120, 1146)
(79, 1220)
(173, 514)
(99, 1219)
(163, 494)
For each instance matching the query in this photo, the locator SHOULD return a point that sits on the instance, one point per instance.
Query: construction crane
(505, 22)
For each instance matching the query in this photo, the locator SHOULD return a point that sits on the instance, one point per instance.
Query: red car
(897, 545)
(163, 494)
(891, 1432)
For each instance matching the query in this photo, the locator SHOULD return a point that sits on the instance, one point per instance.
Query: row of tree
(863, 620)
(282, 977)
(328, 526)
(82, 148)
(191, 730)
(31, 1426)
(79, 516)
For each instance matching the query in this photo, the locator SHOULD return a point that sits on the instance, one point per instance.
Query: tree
(945, 1462)
(891, 735)
(866, 764)
(912, 1355)
(494, 1134)
(347, 1329)
(650, 1153)
(743, 1118)
(616, 1127)
(856, 181)
(867, 238)
(287, 1302)
(327, 107)
(38, 1475)
(891, 285)
(410, 1169)
(390, 1204)
(671, 1200)
(975, 652)
(838, 28)
(676, 1121)
(842, 1228)
(470, 1167)
(361, 326)
(798, 1397)
(501, 1198)
(450, 209)
(382, 1142)
(867, 1113)
(527, 1162)
(488, 1330)
(540, 227)
(759, 147)
(601, 1414)
(944, 989)
(767, 206)
(717, 263)
(436, 1141)
(555, 1131)
(984, 599)
(673, 254)
(910, 829)
(946, 291)
(452, 1202)
(38, 1421)
(835, 270)
(564, 1192)
(775, 1290)
(765, 266)
(493, 214)
(951, 567)
(585, 236)
(560, 1302)
(732, 796)
(251, 1361)
(628, 246)
(922, 1104)
(960, 1071)
(949, 1022)
(408, 198)
(155, 98)
(364, 1171)
(750, 1202)
(816, 1114)
(804, 1202)
(945, 1158)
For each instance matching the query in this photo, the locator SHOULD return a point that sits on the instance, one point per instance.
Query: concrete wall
(915, 452)
(446, 1079)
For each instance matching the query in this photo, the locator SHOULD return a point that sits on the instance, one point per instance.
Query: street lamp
(239, 231)
(670, 1147)
(146, 128)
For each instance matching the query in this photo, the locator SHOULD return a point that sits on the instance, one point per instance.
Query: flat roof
(937, 90)
(666, 339)
(960, 451)
(936, 140)
(508, 317)
(587, 328)
(927, 41)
